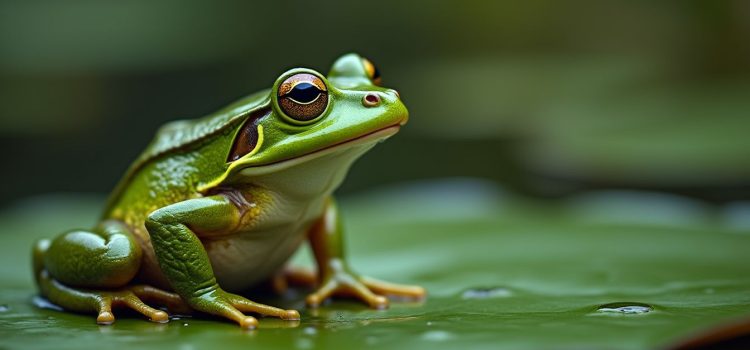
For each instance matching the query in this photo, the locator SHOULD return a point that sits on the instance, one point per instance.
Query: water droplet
(429, 323)
(185, 324)
(4, 308)
(304, 343)
(310, 330)
(177, 317)
(626, 308)
(486, 293)
(437, 335)
(370, 340)
(45, 304)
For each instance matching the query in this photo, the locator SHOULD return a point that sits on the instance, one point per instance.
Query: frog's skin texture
(217, 205)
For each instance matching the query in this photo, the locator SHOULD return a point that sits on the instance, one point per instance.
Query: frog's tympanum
(217, 205)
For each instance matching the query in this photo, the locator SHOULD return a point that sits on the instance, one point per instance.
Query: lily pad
(503, 272)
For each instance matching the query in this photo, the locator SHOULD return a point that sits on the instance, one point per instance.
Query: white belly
(299, 195)
(243, 259)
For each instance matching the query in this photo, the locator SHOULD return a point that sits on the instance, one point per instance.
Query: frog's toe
(362, 292)
(290, 315)
(324, 292)
(314, 300)
(249, 322)
(172, 301)
(160, 317)
(136, 304)
(104, 312)
(378, 302)
(246, 305)
(399, 290)
(105, 318)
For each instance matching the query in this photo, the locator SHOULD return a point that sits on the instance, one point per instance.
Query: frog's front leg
(185, 263)
(336, 278)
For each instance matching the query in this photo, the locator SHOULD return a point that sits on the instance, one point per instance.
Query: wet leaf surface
(502, 272)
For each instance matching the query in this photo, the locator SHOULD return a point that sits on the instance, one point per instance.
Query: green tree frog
(217, 205)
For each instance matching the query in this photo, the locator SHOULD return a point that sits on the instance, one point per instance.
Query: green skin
(185, 226)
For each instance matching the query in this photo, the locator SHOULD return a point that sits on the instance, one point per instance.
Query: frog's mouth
(377, 135)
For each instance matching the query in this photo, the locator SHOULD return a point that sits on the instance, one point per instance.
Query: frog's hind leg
(89, 271)
(292, 276)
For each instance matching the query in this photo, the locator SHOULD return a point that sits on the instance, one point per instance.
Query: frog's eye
(372, 72)
(303, 97)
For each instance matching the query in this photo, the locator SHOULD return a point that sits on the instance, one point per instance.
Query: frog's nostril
(371, 100)
(395, 92)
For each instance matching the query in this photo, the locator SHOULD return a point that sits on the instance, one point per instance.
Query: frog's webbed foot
(336, 278)
(125, 298)
(232, 306)
(103, 301)
(345, 283)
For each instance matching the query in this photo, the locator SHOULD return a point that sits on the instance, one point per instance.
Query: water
(486, 293)
(43, 303)
(177, 317)
(626, 308)
(437, 336)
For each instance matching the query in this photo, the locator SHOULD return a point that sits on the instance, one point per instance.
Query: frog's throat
(374, 136)
(378, 135)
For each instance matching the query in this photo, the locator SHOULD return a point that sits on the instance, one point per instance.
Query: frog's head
(309, 115)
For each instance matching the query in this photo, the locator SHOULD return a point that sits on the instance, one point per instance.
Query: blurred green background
(543, 97)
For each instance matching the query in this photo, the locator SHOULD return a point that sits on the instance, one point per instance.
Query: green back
(184, 135)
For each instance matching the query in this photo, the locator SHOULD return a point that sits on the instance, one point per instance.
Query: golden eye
(372, 72)
(303, 97)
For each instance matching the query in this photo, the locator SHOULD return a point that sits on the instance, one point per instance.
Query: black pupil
(375, 72)
(304, 93)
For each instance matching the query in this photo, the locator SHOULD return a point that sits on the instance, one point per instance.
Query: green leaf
(503, 272)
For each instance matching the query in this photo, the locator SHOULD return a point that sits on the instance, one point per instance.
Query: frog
(217, 205)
